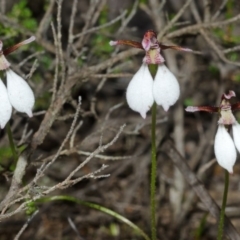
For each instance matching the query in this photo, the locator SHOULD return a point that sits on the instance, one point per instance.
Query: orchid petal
(139, 91)
(229, 95)
(178, 48)
(20, 94)
(166, 88)
(5, 106)
(146, 44)
(201, 108)
(224, 149)
(150, 40)
(18, 45)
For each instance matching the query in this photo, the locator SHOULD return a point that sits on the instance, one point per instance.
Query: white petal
(236, 135)
(166, 88)
(139, 91)
(20, 94)
(5, 106)
(224, 149)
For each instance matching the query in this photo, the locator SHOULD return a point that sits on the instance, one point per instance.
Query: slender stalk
(153, 173)
(153, 70)
(224, 202)
(97, 207)
(12, 145)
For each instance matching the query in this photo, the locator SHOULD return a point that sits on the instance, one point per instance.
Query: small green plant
(23, 14)
(31, 208)
(112, 228)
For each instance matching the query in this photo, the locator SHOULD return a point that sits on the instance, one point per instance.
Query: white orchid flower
(142, 91)
(224, 145)
(18, 94)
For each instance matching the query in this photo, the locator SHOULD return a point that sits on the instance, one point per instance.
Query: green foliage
(100, 42)
(230, 7)
(101, 47)
(233, 56)
(5, 153)
(200, 230)
(23, 14)
(42, 102)
(218, 32)
(103, 16)
(14, 163)
(6, 156)
(188, 102)
(214, 70)
(80, 61)
(45, 61)
(100, 208)
(7, 32)
(114, 229)
(226, 33)
(31, 208)
(236, 78)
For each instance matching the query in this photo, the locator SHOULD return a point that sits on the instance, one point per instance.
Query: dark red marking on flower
(235, 106)
(18, 45)
(150, 41)
(150, 34)
(202, 109)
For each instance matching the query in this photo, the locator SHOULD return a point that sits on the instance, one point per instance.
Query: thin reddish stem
(202, 109)
(16, 46)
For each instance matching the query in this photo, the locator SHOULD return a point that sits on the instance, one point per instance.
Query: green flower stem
(97, 207)
(153, 173)
(224, 202)
(12, 145)
(153, 70)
